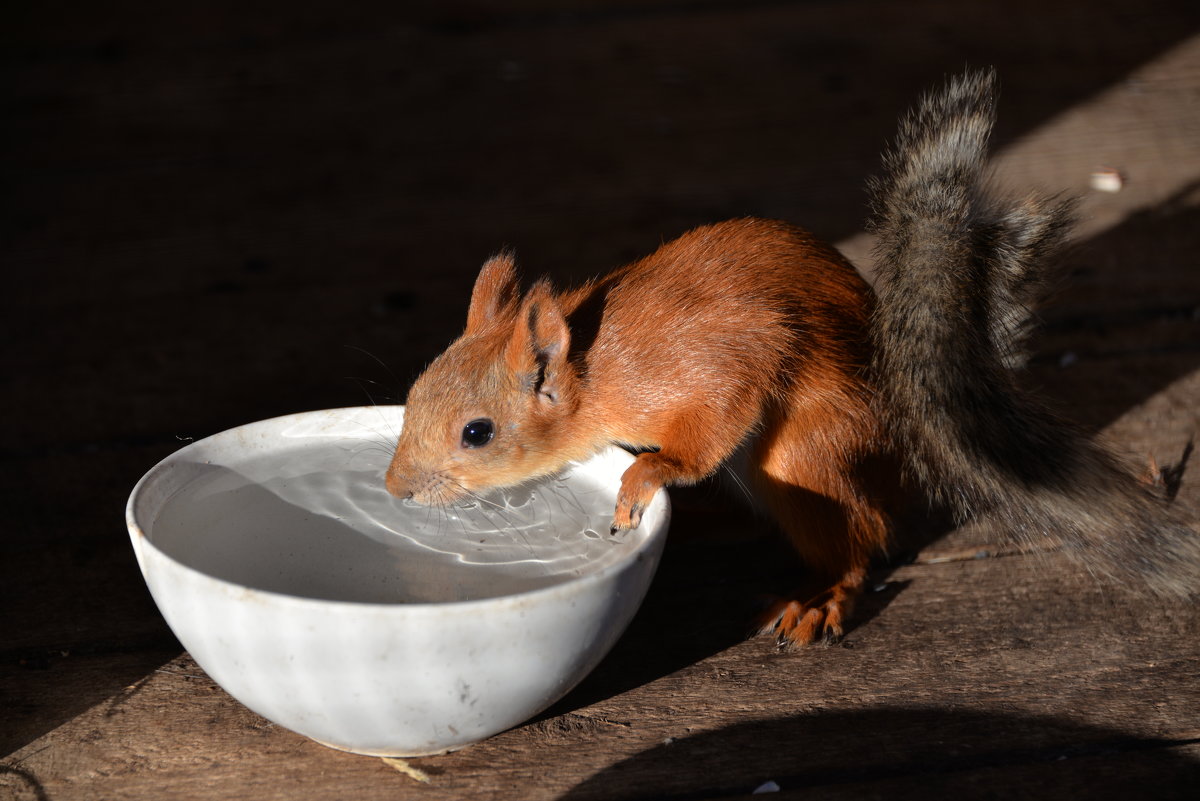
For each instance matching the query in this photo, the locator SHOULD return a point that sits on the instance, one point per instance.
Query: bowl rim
(652, 540)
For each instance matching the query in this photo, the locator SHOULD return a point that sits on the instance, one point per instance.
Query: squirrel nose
(397, 484)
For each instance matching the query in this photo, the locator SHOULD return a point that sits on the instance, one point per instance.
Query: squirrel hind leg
(835, 539)
(809, 466)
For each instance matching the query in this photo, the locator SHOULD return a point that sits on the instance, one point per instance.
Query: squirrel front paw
(627, 517)
(638, 486)
(629, 511)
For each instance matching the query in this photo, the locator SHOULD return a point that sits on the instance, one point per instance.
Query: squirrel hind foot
(802, 620)
(794, 624)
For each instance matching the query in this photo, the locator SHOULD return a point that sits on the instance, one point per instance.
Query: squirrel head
(495, 408)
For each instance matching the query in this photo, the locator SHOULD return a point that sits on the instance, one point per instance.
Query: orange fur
(743, 327)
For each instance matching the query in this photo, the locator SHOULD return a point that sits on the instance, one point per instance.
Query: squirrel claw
(795, 623)
(627, 516)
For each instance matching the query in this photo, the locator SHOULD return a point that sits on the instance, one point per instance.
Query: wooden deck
(210, 212)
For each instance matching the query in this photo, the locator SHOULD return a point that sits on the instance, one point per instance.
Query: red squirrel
(754, 331)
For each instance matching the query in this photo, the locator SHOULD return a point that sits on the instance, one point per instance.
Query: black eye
(477, 433)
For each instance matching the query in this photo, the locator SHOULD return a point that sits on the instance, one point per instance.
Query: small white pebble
(766, 787)
(1106, 179)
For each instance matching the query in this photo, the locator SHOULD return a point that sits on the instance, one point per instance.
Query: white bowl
(275, 555)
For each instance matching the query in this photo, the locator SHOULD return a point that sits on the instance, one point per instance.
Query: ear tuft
(495, 293)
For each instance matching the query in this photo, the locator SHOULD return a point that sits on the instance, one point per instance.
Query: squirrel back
(959, 269)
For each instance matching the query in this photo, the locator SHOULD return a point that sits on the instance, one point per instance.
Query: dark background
(221, 212)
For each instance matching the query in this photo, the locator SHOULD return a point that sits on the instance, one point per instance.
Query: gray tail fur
(959, 270)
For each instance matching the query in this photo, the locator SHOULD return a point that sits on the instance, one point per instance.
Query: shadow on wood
(905, 753)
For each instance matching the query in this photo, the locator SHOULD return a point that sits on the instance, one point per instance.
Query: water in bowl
(314, 520)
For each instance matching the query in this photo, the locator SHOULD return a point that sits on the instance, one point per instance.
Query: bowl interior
(297, 506)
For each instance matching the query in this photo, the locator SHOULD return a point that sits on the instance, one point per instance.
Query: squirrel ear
(495, 292)
(540, 342)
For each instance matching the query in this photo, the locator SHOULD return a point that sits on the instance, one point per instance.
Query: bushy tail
(958, 271)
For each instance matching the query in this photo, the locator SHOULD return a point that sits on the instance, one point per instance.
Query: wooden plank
(1000, 665)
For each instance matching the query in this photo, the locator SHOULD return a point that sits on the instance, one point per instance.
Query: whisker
(377, 360)
(567, 489)
(499, 511)
(382, 438)
(738, 482)
(395, 436)
(371, 453)
(394, 398)
(437, 505)
(480, 498)
(360, 380)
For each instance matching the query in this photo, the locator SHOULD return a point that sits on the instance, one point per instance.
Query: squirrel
(754, 331)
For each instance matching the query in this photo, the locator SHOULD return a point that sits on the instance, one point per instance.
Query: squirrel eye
(477, 433)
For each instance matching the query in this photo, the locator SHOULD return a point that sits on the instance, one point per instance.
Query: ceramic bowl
(325, 605)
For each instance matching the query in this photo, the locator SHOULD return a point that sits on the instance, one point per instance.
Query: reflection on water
(314, 520)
